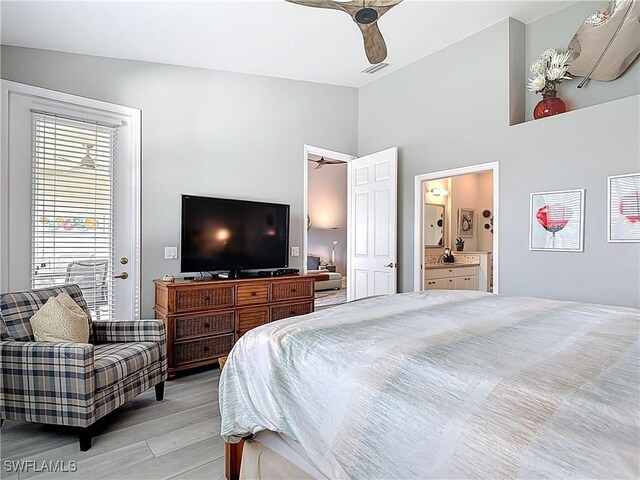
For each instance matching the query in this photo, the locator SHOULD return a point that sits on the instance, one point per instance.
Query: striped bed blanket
(445, 384)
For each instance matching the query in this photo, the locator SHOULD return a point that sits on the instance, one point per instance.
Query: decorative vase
(549, 105)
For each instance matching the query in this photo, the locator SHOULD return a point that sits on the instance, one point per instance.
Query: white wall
(451, 109)
(205, 133)
(327, 206)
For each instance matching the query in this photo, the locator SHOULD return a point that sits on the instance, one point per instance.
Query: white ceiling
(269, 37)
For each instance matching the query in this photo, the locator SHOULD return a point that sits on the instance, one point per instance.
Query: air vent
(375, 68)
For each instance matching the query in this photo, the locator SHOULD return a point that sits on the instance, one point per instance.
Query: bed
(441, 384)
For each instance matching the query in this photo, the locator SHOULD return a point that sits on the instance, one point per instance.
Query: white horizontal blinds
(72, 207)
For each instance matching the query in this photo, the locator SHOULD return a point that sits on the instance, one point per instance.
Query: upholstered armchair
(74, 384)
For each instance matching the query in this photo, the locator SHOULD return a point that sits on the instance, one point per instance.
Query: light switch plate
(170, 252)
(295, 251)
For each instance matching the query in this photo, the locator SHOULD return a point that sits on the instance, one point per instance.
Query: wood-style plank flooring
(177, 438)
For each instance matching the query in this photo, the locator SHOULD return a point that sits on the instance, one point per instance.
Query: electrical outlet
(170, 252)
(295, 251)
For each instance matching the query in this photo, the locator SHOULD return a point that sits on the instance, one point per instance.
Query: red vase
(549, 105)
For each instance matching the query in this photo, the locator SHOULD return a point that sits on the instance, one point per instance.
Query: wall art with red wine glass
(557, 221)
(624, 208)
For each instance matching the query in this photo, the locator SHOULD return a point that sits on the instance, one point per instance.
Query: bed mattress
(445, 384)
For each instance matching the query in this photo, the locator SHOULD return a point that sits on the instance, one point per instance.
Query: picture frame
(466, 222)
(623, 208)
(556, 221)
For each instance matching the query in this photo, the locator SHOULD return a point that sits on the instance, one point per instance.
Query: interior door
(373, 259)
(72, 200)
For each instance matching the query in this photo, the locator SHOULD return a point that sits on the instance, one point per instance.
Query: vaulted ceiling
(269, 37)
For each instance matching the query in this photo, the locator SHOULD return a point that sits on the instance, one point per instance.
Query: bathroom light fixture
(438, 192)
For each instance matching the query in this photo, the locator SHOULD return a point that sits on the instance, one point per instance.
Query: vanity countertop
(450, 265)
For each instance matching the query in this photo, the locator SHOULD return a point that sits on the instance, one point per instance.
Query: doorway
(325, 235)
(457, 209)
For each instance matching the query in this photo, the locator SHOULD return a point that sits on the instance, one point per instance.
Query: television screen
(224, 234)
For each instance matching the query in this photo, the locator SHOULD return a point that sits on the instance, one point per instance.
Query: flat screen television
(233, 235)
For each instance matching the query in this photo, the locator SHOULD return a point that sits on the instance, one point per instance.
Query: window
(72, 206)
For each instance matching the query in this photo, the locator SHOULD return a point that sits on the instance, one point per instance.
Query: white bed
(444, 384)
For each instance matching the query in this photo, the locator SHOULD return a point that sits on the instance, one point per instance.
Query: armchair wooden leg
(86, 436)
(160, 391)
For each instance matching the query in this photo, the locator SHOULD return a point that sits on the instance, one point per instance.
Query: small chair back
(17, 308)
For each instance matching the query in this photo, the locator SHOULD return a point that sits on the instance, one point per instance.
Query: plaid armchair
(74, 384)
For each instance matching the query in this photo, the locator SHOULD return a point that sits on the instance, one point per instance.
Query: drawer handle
(206, 325)
(253, 294)
(207, 298)
(293, 290)
(205, 348)
(292, 312)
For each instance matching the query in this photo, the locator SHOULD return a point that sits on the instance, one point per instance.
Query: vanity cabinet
(485, 267)
(458, 277)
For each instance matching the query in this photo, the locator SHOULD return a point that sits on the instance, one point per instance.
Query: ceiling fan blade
(319, 166)
(333, 162)
(374, 45)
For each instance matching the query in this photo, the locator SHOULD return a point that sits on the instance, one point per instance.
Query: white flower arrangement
(548, 71)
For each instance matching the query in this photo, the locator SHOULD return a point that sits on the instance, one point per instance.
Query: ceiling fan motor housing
(366, 15)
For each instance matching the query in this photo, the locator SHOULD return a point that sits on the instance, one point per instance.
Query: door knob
(123, 276)
(391, 265)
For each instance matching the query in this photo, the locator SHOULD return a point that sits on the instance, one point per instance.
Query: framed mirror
(434, 218)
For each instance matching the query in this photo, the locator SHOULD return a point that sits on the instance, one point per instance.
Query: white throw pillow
(61, 319)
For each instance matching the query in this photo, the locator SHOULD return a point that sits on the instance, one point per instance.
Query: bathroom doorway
(457, 209)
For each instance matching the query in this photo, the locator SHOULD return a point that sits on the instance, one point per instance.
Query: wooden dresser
(205, 319)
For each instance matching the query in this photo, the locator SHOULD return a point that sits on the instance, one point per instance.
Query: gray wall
(451, 109)
(205, 133)
(556, 31)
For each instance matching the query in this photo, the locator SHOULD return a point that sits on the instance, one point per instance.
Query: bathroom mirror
(433, 225)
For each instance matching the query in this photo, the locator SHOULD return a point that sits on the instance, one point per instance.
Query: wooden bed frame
(233, 459)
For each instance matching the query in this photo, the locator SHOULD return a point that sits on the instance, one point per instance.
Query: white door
(72, 200)
(372, 232)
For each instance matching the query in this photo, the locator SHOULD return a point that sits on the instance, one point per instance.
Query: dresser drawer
(285, 311)
(289, 290)
(198, 325)
(252, 294)
(198, 298)
(204, 349)
(249, 318)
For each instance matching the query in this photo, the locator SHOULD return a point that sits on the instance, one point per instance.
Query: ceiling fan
(87, 162)
(366, 14)
(322, 162)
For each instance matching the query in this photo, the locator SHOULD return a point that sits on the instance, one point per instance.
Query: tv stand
(204, 319)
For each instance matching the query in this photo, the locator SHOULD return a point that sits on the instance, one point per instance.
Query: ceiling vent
(375, 68)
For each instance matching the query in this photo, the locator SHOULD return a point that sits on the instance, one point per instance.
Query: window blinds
(73, 207)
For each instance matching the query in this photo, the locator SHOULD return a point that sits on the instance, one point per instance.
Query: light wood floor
(177, 438)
